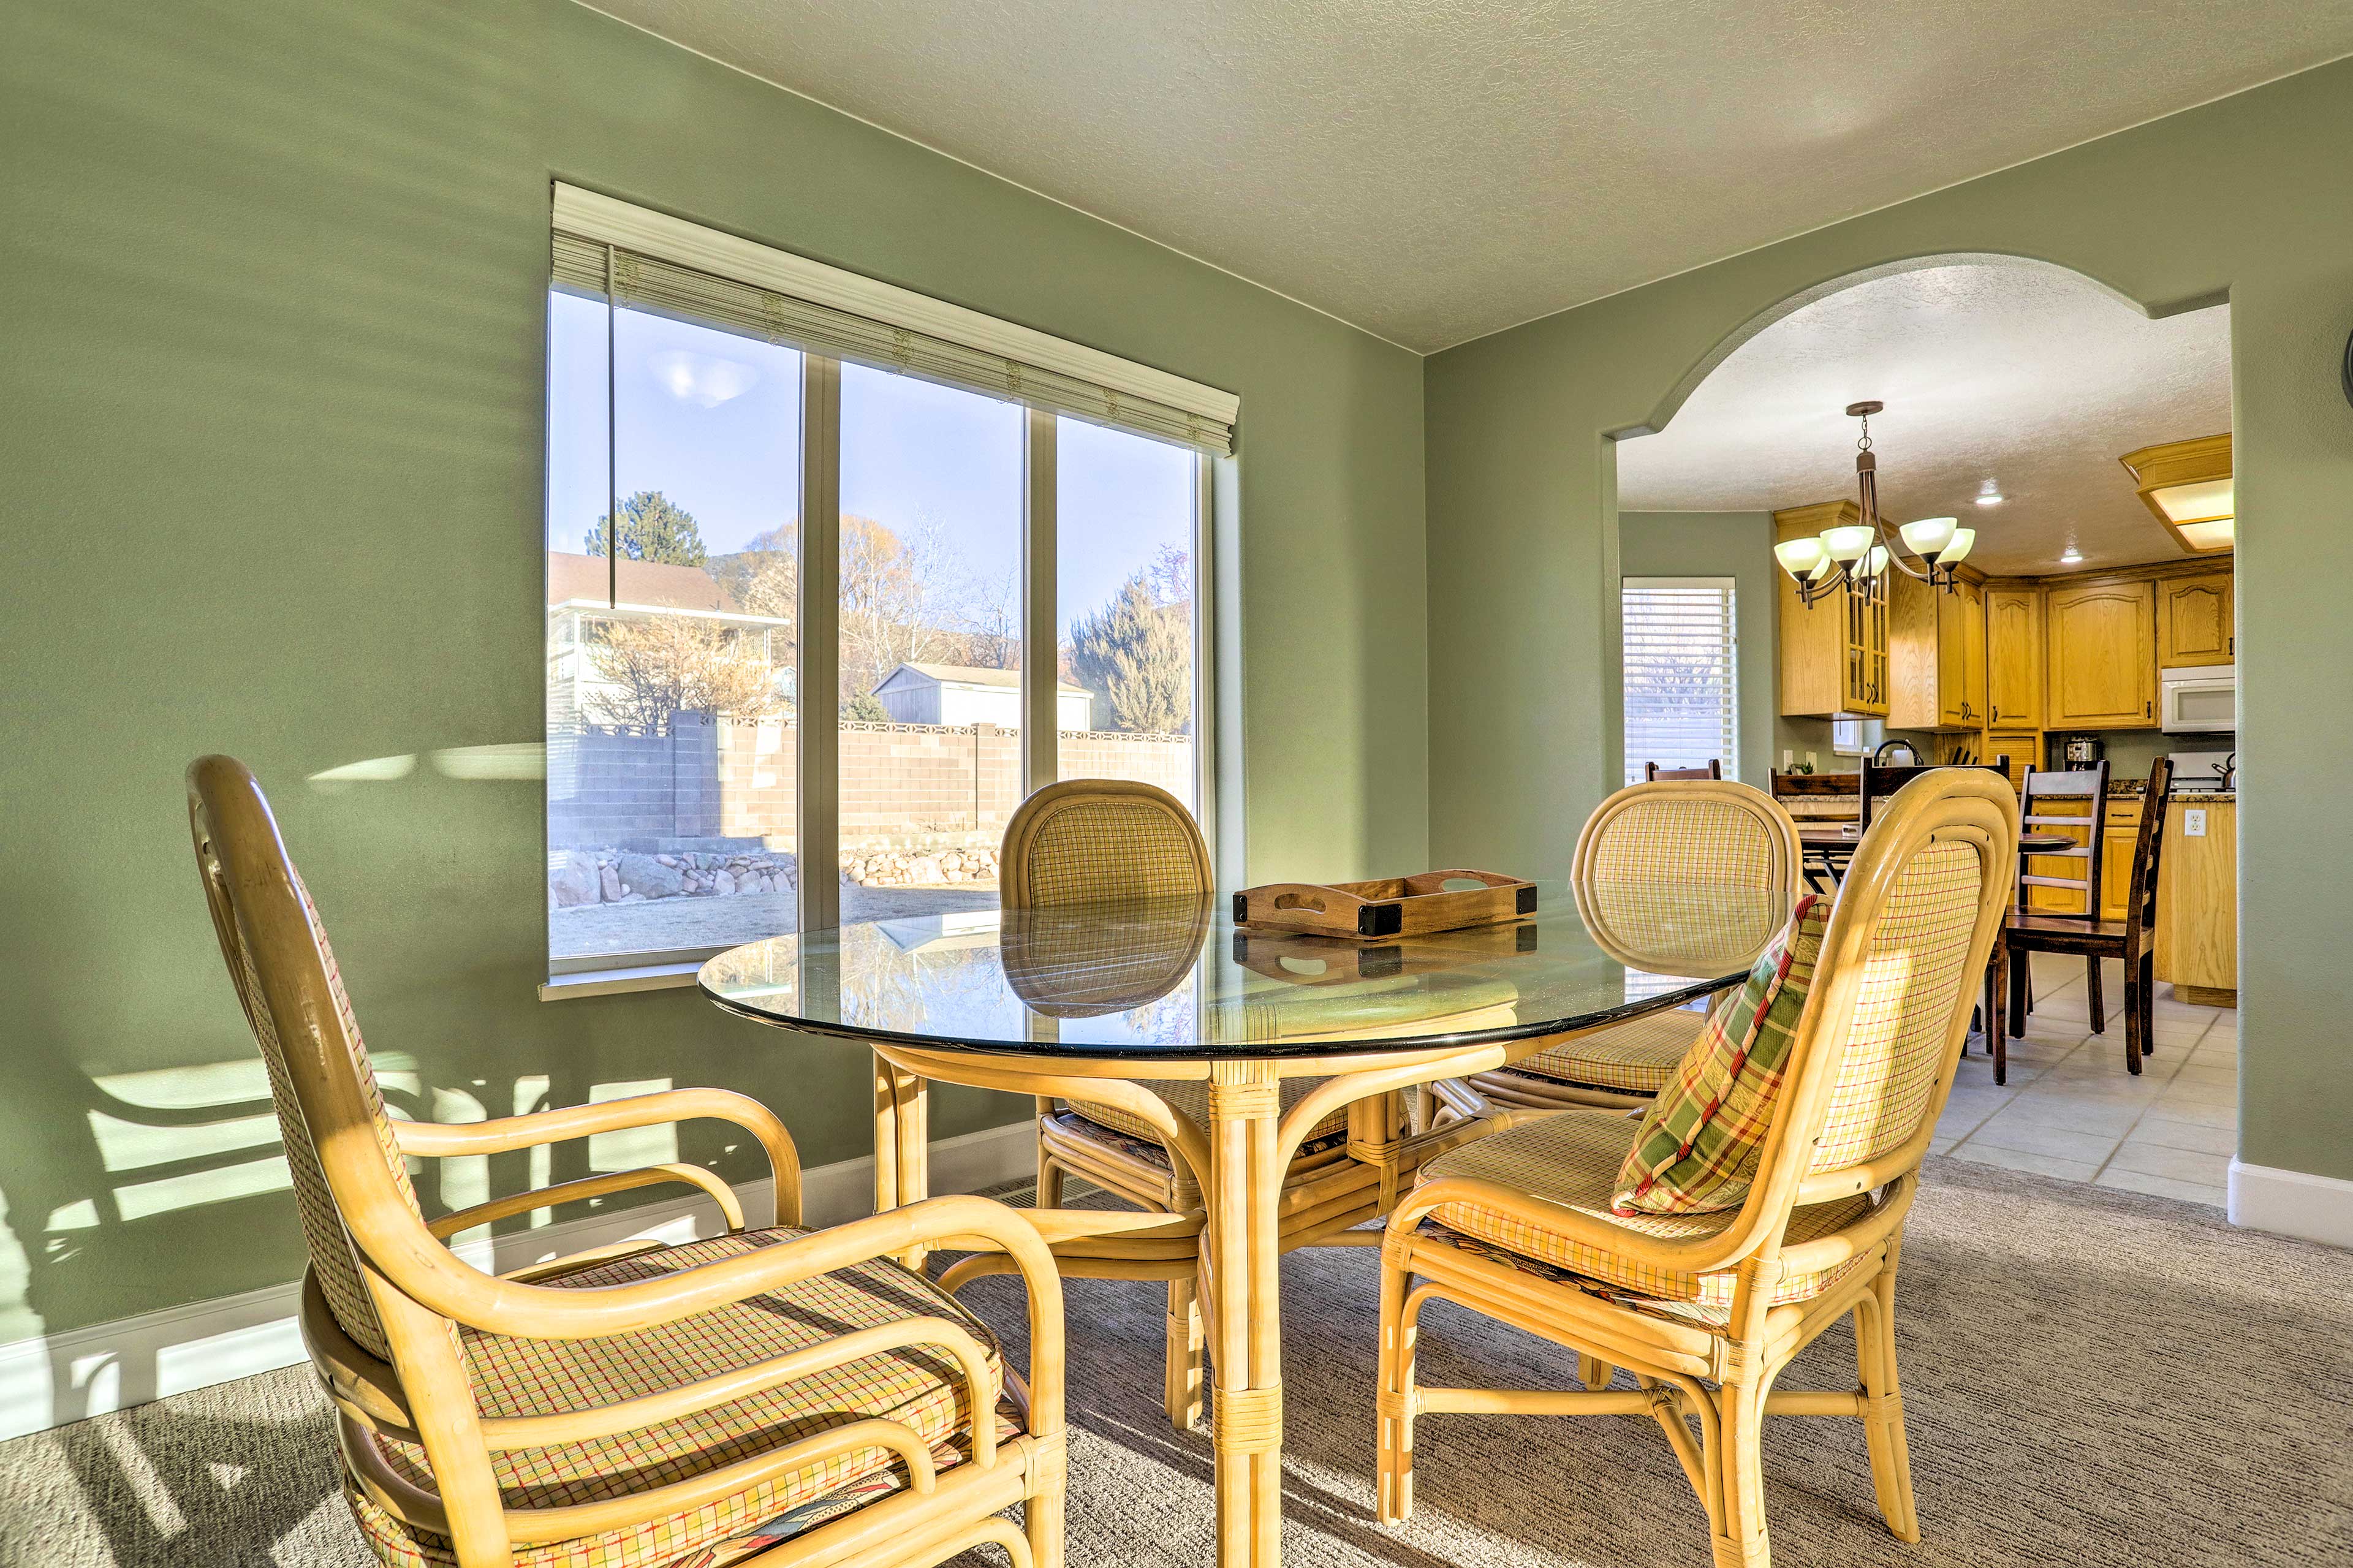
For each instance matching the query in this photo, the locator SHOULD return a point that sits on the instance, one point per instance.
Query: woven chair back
(1086, 841)
(1703, 831)
(278, 956)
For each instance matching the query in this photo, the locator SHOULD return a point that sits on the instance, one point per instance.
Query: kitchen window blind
(1682, 658)
(670, 268)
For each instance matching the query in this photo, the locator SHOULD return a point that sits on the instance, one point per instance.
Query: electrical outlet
(2194, 822)
(1811, 759)
(1788, 756)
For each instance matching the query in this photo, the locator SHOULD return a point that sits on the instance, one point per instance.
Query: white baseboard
(49, 1381)
(2292, 1202)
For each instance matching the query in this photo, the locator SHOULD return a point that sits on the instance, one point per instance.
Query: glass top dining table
(1104, 1003)
(1178, 981)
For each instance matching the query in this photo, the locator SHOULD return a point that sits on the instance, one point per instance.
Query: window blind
(1683, 700)
(669, 267)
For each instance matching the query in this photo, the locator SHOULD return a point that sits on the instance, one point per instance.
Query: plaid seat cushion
(1638, 1057)
(1190, 1096)
(1571, 1158)
(1700, 1141)
(921, 1388)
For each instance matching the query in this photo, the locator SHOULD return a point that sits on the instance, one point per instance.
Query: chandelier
(1859, 552)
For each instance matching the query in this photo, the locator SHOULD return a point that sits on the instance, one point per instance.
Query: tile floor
(2070, 1111)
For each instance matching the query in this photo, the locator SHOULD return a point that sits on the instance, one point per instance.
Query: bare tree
(666, 665)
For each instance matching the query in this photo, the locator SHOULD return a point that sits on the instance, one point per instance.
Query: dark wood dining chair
(1815, 866)
(2131, 939)
(1652, 772)
(1878, 784)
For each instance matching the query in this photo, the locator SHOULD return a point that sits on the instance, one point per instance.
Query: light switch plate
(2194, 822)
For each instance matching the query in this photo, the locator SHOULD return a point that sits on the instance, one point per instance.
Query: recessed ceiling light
(1990, 495)
(2073, 556)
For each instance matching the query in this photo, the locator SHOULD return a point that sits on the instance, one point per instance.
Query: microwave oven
(2200, 698)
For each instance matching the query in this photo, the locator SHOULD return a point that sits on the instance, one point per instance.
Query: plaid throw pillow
(1697, 1149)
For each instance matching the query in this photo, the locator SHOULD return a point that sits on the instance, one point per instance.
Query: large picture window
(1682, 687)
(836, 575)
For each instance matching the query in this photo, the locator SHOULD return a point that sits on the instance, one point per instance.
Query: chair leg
(1997, 1038)
(1594, 1372)
(1883, 1422)
(2136, 1027)
(2021, 970)
(1041, 1521)
(1181, 1389)
(1050, 1175)
(1740, 1541)
(1394, 1486)
(2099, 1006)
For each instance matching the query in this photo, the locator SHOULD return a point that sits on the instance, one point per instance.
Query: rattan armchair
(770, 1393)
(1688, 832)
(1705, 1309)
(1090, 840)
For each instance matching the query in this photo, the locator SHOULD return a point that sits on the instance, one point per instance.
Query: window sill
(617, 982)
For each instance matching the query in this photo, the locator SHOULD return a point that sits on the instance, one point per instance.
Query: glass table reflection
(1102, 1002)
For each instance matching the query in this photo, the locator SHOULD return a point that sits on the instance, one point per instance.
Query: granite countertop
(2204, 797)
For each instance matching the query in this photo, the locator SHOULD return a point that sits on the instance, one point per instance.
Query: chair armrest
(431, 1274)
(444, 1139)
(596, 1186)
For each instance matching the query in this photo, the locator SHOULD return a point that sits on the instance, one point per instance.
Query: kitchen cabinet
(2193, 621)
(1971, 596)
(1834, 652)
(2197, 904)
(2119, 837)
(2013, 622)
(2102, 652)
(1936, 655)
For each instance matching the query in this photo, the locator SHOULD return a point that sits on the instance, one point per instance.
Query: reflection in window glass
(670, 716)
(930, 643)
(1124, 529)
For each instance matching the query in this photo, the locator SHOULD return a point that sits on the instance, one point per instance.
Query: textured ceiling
(1434, 170)
(2026, 375)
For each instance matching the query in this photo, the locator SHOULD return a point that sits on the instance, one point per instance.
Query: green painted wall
(2247, 199)
(272, 350)
(1734, 545)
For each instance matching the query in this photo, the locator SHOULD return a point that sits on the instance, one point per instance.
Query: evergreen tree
(654, 528)
(1134, 655)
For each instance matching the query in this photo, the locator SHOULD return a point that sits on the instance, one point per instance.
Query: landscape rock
(649, 876)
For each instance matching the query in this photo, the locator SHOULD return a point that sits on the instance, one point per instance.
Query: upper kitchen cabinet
(2102, 656)
(1834, 653)
(1936, 655)
(2013, 621)
(2193, 621)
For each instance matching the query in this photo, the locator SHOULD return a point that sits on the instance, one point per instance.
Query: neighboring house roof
(650, 584)
(972, 674)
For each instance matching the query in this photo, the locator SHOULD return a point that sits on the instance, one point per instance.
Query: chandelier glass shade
(1860, 553)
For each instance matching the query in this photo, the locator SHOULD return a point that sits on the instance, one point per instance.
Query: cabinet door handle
(2147, 710)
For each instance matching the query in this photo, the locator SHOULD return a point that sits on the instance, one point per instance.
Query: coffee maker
(2083, 750)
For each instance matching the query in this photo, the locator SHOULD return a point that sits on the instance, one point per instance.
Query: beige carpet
(2092, 1378)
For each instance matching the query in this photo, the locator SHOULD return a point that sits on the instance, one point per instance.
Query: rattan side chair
(1705, 1309)
(1092, 840)
(1682, 832)
(772, 1392)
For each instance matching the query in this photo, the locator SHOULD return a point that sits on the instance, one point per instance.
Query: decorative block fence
(902, 786)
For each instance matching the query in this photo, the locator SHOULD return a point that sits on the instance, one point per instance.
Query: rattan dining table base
(1235, 1243)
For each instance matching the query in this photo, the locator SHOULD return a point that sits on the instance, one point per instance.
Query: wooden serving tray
(1298, 959)
(1386, 907)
